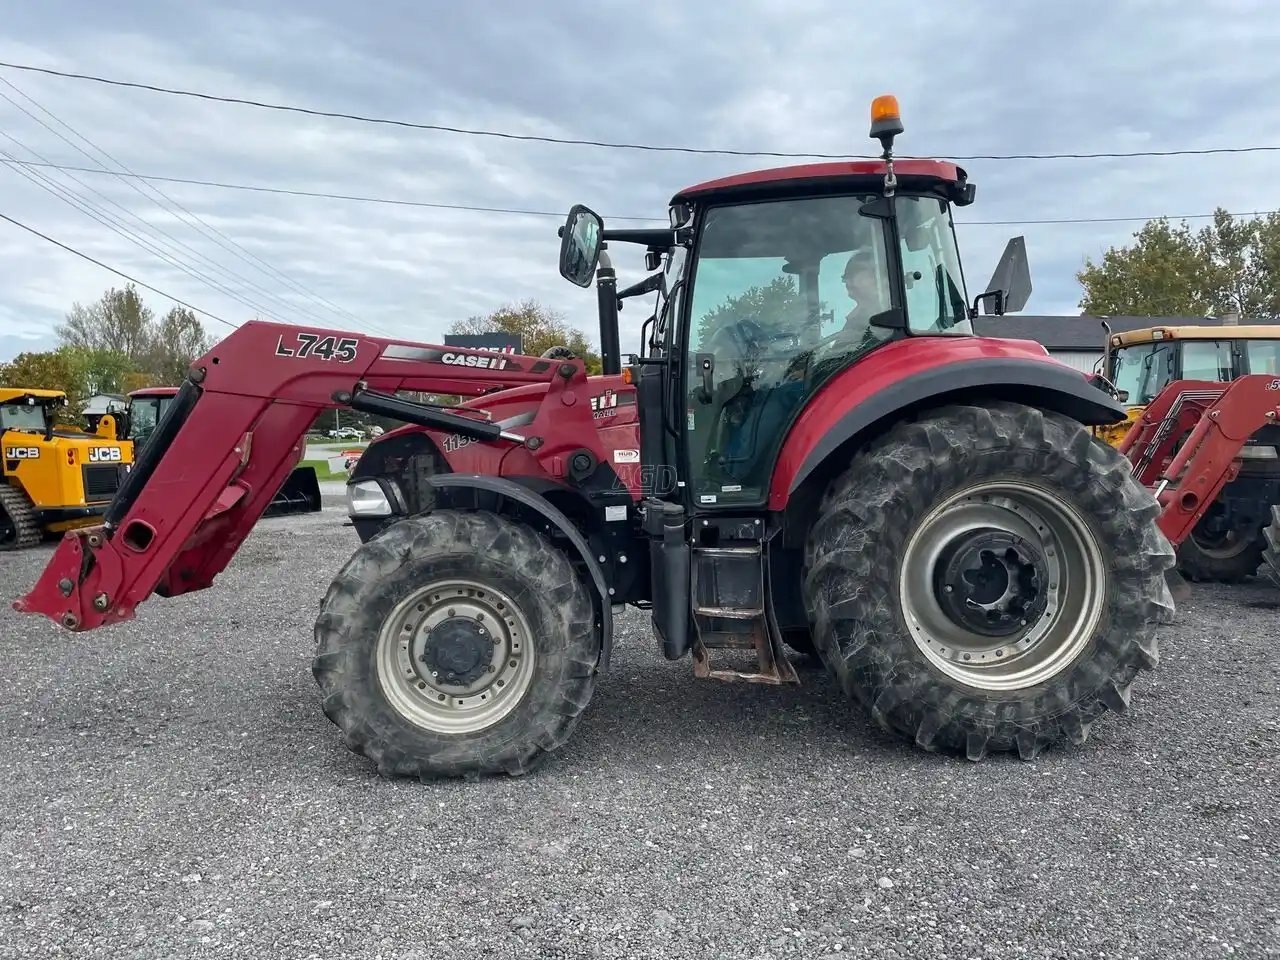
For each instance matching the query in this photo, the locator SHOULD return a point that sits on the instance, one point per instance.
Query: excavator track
(19, 526)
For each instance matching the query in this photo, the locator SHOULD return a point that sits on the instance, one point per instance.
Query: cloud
(791, 76)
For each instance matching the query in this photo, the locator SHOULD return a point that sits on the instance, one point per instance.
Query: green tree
(61, 369)
(121, 324)
(1229, 266)
(119, 320)
(539, 328)
(177, 340)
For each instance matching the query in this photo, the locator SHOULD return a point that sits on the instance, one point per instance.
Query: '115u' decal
(326, 348)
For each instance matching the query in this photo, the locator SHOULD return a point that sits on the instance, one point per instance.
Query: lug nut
(101, 602)
(65, 586)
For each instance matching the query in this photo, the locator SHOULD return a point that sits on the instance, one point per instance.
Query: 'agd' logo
(104, 455)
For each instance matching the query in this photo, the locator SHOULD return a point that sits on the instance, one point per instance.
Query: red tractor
(812, 450)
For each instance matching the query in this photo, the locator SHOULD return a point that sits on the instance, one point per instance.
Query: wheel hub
(455, 656)
(1001, 585)
(458, 651)
(992, 581)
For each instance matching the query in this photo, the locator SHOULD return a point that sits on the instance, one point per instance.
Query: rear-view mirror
(580, 240)
(1011, 279)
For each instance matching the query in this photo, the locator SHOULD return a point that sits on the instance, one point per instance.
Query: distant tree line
(112, 346)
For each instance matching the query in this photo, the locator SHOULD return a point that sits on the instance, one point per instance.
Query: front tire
(456, 644)
(1056, 567)
(1208, 557)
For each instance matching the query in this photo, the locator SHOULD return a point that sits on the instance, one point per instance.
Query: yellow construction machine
(1227, 544)
(52, 477)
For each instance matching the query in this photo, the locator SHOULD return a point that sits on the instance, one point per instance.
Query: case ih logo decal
(604, 406)
(480, 361)
(22, 453)
(304, 345)
(495, 362)
(104, 455)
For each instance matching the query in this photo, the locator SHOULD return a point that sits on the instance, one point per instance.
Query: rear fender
(506, 497)
(811, 459)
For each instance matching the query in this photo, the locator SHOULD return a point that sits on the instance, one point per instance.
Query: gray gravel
(170, 788)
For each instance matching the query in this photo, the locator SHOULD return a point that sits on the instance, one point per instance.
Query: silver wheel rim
(414, 663)
(1036, 638)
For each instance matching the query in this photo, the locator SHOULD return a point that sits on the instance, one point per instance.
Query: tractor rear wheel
(455, 644)
(1270, 568)
(988, 579)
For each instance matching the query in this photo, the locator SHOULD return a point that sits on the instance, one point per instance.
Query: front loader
(300, 492)
(812, 451)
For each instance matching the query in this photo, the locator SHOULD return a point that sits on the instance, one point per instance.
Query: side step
(729, 614)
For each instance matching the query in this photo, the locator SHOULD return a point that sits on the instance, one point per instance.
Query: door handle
(706, 363)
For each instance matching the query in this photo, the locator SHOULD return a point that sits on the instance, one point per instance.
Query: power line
(612, 145)
(278, 302)
(395, 201)
(117, 224)
(119, 273)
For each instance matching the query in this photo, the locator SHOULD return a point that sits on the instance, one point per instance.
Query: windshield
(144, 414)
(935, 293)
(1207, 360)
(1263, 356)
(1143, 370)
(669, 296)
(23, 416)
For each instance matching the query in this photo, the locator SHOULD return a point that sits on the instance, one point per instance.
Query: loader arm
(236, 430)
(1213, 421)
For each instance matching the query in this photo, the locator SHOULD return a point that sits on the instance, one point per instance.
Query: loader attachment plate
(228, 445)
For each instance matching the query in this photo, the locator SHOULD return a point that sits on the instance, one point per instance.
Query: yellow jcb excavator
(53, 478)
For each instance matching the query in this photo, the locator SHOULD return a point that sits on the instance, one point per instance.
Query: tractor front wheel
(455, 644)
(988, 579)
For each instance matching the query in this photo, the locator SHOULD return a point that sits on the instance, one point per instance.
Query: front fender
(900, 380)
(463, 491)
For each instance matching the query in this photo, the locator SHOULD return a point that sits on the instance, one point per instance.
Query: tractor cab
(29, 411)
(776, 282)
(146, 407)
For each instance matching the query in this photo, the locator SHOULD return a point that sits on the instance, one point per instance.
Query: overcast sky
(789, 75)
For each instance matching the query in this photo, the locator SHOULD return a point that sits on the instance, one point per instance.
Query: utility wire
(118, 226)
(119, 273)
(278, 303)
(214, 234)
(560, 214)
(654, 148)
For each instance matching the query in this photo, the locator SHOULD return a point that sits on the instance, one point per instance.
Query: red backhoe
(811, 450)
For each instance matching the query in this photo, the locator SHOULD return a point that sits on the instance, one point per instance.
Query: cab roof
(851, 174)
(8, 394)
(1196, 332)
(154, 392)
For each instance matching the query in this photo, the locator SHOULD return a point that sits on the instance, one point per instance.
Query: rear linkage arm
(234, 433)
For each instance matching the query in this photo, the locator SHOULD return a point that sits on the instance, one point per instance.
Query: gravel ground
(170, 788)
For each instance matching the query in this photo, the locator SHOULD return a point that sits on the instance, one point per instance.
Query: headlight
(1254, 452)
(366, 498)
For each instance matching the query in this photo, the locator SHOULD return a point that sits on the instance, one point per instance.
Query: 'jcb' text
(22, 453)
(104, 455)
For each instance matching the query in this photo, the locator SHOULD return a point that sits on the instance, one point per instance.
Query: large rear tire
(1270, 566)
(1056, 570)
(456, 644)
